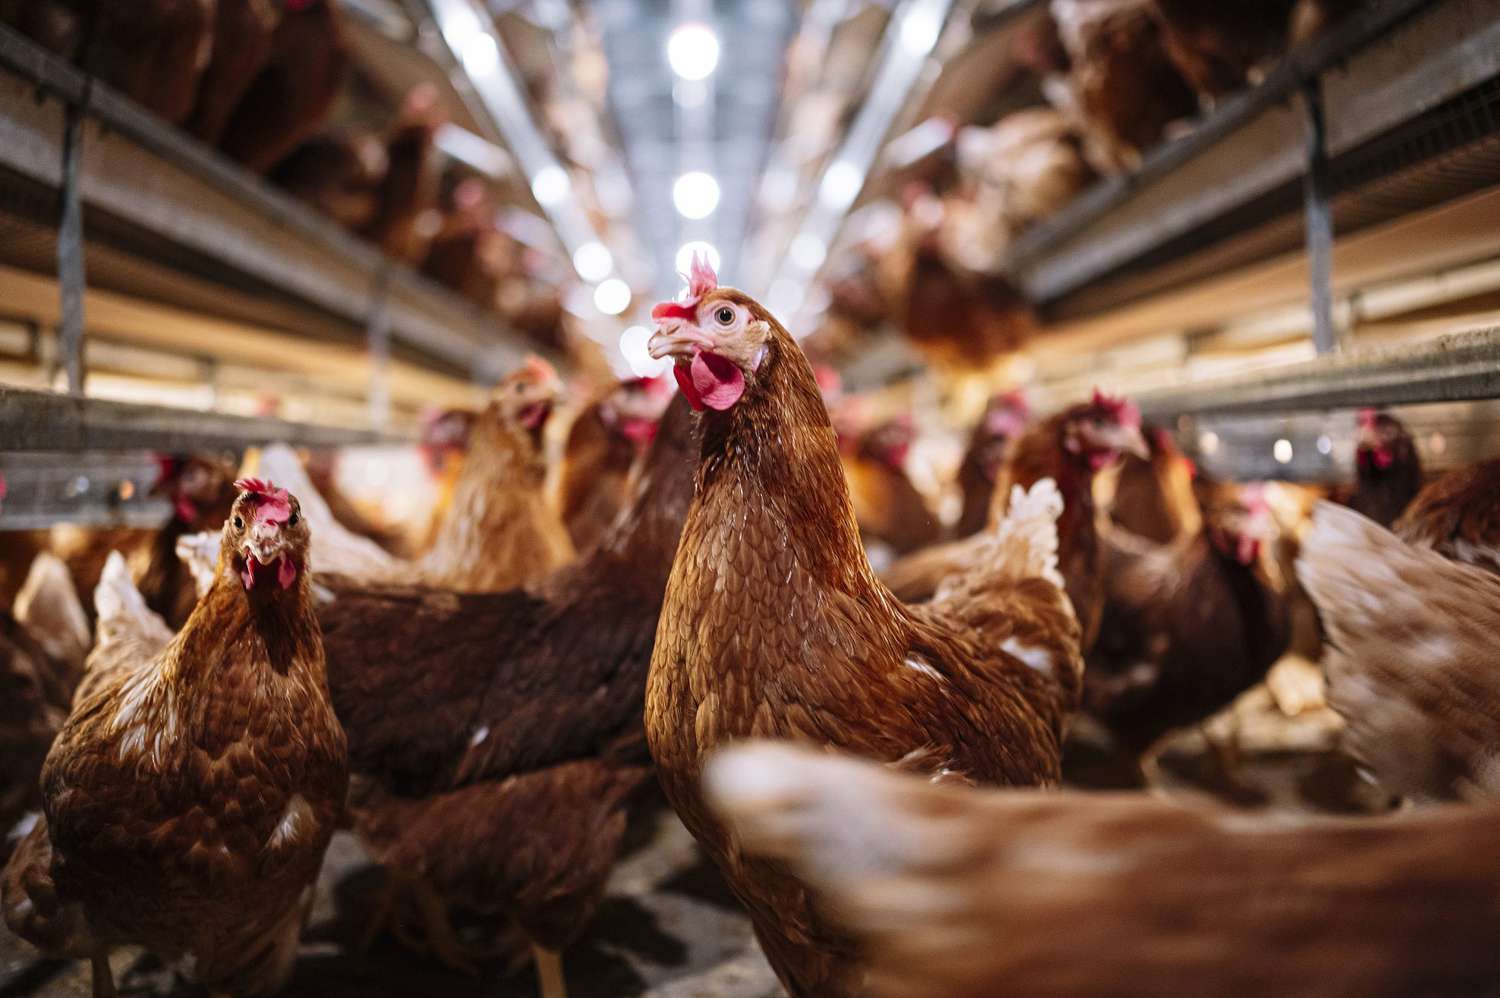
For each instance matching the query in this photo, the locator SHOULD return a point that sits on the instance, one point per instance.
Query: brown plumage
(958, 893)
(295, 89)
(887, 505)
(1411, 659)
(338, 173)
(1187, 626)
(1123, 88)
(500, 529)
(1221, 45)
(1457, 516)
(201, 488)
(468, 254)
(498, 735)
(43, 643)
(1070, 447)
(604, 443)
(1388, 470)
(192, 792)
(1004, 419)
(775, 625)
(243, 33)
(1153, 498)
(152, 52)
(409, 186)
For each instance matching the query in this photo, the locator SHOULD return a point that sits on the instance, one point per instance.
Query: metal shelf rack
(1391, 111)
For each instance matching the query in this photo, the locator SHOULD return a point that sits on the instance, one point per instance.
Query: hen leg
(104, 979)
(442, 939)
(549, 972)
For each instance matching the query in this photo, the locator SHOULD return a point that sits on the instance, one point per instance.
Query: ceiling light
(1208, 442)
(612, 296)
(592, 260)
(920, 29)
(693, 51)
(807, 251)
(841, 184)
(480, 53)
(1282, 451)
(1325, 445)
(684, 261)
(551, 185)
(633, 347)
(696, 194)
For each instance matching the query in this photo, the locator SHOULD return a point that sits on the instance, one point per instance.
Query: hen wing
(1412, 661)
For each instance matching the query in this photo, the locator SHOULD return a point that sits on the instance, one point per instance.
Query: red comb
(1124, 412)
(672, 310)
(271, 503)
(538, 369)
(701, 277)
(1367, 419)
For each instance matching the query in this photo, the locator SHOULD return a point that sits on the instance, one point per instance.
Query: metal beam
(45, 421)
(1456, 368)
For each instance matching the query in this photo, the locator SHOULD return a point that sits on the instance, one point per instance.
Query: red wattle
(689, 390)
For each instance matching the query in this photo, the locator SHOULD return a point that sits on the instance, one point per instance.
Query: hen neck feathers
(769, 468)
(232, 628)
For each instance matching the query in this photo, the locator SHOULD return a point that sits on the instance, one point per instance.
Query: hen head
(1099, 432)
(890, 442)
(718, 338)
(265, 537)
(196, 486)
(1240, 529)
(527, 395)
(634, 409)
(1383, 441)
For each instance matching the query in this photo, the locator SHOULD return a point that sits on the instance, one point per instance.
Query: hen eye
(238, 523)
(292, 522)
(725, 315)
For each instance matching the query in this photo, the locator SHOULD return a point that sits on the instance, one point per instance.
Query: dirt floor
(670, 929)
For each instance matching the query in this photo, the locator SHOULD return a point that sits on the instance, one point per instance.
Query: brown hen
(604, 443)
(775, 625)
(1070, 447)
(295, 89)
(958, 893)
(497, 737)
(192, 792)
(243, 34)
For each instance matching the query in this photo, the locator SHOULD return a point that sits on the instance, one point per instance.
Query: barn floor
(669, 929)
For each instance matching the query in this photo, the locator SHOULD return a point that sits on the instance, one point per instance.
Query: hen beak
(1129, 440)
(679, 341)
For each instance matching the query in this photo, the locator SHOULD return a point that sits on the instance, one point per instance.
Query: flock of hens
(879, 763)
(680, 610)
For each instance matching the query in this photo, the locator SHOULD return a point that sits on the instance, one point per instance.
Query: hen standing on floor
(775, 625)
(194, 788)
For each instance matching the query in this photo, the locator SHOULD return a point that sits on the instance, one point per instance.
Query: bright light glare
(685, 253)
(551, 185)
(480, 53)
(633, 348)
(593, 261)
(919, 30)
(696, 194)
(1325, 445)
(690, 93)
(693, 51)
(1282, 451)
(807, 251)
(1208, 442)
(612, 296)
(840, 185)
